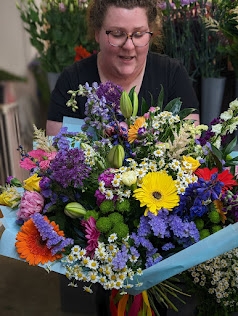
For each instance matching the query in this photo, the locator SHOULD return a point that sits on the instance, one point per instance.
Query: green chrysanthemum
(158, 191)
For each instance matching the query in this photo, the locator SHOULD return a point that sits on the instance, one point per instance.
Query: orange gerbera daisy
(31, 247)
(133, 130)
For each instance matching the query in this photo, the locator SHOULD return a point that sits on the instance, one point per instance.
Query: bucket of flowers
(127, 202)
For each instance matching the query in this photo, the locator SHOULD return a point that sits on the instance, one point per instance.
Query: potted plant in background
(227, 25)
(211, 62)
(179, 32)
(188, 38)
(56, 29)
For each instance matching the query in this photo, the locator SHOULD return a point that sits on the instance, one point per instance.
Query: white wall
(15, 48)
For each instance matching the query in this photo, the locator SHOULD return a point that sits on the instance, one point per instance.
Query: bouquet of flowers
(127, 202)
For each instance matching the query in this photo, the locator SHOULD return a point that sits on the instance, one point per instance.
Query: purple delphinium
(62, 139)
(69, 168)
(192, 202)
(54, 242)
(112, 93)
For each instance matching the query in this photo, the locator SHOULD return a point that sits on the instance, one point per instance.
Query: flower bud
(125, 105)
(116, 156)
(74, 210)
(135, 104)
(129, 178)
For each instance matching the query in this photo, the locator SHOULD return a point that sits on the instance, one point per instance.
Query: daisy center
(157, 195)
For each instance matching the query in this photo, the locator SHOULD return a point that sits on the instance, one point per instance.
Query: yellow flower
(10, 197)
(133, 130)
(195, 163)
(158, 191)
(32, 183)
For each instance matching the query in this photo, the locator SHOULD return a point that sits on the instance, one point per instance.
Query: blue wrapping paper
(210, 247)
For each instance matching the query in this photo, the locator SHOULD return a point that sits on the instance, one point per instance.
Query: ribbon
(139, 306)
(136, 305)
(146, 300)
(122, 305)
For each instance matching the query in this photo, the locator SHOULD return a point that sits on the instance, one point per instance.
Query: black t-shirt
(160, 70)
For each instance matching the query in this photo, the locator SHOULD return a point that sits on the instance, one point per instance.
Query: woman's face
(127, 60)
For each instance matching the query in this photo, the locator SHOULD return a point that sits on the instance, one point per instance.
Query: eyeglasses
(119, 38)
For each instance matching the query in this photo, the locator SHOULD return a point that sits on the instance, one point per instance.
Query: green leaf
(174, 106)
(160, 99)
(230, 147)
(217, 152)
(185, 112)
(144, 106)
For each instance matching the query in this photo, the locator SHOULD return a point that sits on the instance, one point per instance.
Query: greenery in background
(55, 29)
(188, 37)
(179, 33)
(225, 23)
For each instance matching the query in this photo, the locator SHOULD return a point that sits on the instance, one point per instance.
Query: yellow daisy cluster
(100, 269)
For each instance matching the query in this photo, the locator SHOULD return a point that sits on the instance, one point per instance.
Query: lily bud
(125, 105)
(74, 210)
(135, 104)
(116, 156)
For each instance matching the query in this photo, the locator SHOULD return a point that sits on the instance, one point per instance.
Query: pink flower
(32, 202)
(107, 176)
(100, 197)
(92, 235)
(62, 7)
(44, 165)
(34, 157)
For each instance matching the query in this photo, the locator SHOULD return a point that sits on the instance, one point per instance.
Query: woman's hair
(98, 8)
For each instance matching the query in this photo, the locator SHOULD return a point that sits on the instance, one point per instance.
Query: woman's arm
(53, 127)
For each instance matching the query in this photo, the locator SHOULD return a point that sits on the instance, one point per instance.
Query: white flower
(217, 128)
(129, 177)
(226, 115)
(87, 289)
(234, 105)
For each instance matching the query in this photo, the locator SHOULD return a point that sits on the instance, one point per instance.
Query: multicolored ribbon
(120, 305)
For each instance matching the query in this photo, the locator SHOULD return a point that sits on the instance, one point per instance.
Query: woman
(123, 30)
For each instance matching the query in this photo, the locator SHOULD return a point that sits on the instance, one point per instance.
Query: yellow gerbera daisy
(158, 191)
(133, 130)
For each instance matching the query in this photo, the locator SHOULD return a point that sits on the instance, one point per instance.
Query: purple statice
(144, 227)
(168, 246)
(120, 260)
(159, 223)
(186, 233)
(153, 260)
(69, 168)
(54, 242)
